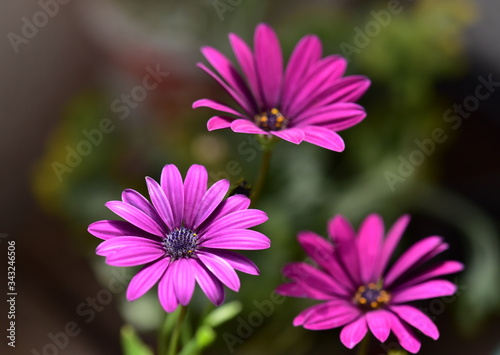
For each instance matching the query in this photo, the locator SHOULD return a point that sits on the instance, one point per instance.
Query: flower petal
(331, 315)
(231, 204)
(443, 268)
(183, 274)
(209, 284)
(221, 269)
(319, 312)
(379, 323)
(135, 216)
(336, 117)
(219, 122)
(302, 289)
(166, 291)
(195, 186)
(171, 183)
(405, 336)
(160, 202)
(108, 229)
(239, 239)
(269, 63)
(218, 106)
(292, 135)
(237, 261)
(323, 137)
(417, 319)
(411, 257)
(304, 56)
(130, 251)
(425, 290)
(235, 220)
(315, 278)
(212, 198)
(246, 126)
(135, 199)
(146, 278)
(392, 240)
(354, 332)
(348, 89)
(369, 243)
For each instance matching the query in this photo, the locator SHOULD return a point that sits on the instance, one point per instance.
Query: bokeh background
(63, 78)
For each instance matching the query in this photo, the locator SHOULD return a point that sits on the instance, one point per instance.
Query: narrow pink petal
(405, 336)
(146, 278)
(323, 137)
(237, 261)
(166, 290)
(183, 274)
(219, 122)
(239, 239)
(269, 63)
(246, 60)
(428, 289)
(411, 257)
(322, 252)
(136, 217)
(111, 245)
(336, 117)
(212, 198)
(221, 269)
(369, 243)
(417, 319)
(171, 183)
(246, 126)
(319, 312)
(231, 204)
(108, 229)
(160, 202)
(443, 268)
(392, 240)
(209, 284)
(130, 251)
(135, 199)
(348, 89)
(249, 109)
(328, 70)
(334, 316)
(195, 186)
(344, 241)
(216, 105)
(315, 278)
(354, 332)
(227, 71)
(304, 56)
(379, 323)
(292, 135)
(235, 220)
(302, 289)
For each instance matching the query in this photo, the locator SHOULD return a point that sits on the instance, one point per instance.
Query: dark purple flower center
(181, 243)
(271, 120)
(371, 296)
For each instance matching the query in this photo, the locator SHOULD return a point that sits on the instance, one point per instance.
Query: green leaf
(223, 314)
(132, 343)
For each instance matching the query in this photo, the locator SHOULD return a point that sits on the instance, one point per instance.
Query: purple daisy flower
(361, 293)
(182, 236)
(308, 101)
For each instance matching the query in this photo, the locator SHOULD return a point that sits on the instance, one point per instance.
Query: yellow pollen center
(371, 296)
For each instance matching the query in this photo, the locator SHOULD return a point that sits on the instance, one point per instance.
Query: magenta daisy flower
(181, 236)
(361, 293)
(308, 101)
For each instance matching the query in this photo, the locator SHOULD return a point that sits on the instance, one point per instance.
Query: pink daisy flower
(181, 236)
(361, 293)
(309, 100)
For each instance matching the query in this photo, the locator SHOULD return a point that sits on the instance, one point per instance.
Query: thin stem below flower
(174, 338)
(363, 347)
(261, 177)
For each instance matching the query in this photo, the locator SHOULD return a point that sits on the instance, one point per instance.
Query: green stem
(261, 177)
(172, 350)
(363, 347)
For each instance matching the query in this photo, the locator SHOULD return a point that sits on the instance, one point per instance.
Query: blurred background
(77, 127)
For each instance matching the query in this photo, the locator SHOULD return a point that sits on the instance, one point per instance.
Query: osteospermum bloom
(181, 236)
(360, 291)
(308, 101)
